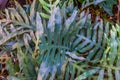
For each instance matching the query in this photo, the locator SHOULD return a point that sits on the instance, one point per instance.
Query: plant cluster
(54, 40)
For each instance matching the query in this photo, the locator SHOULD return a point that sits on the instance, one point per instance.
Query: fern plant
(17, 31)
(47, 7)
(106, 5)
(66, 42)
(109, 64)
